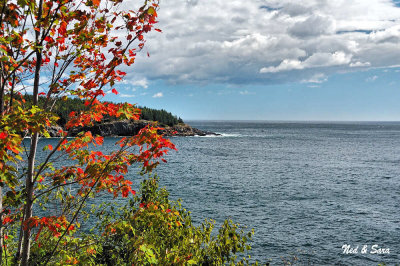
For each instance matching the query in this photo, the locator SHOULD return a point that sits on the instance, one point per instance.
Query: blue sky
(271, 60)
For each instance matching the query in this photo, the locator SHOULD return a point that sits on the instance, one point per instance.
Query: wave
(221, 135)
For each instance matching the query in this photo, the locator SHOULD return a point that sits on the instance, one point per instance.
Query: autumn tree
(65, 49)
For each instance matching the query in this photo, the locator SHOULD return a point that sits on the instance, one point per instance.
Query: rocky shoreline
(131, 128)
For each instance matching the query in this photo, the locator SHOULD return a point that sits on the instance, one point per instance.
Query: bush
(149, 229)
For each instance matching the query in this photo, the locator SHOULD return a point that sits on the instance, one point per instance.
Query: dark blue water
(306, 188)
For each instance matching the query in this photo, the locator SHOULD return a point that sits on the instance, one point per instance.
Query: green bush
(149, 230)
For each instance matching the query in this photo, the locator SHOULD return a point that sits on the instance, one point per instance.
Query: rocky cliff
(130, 128)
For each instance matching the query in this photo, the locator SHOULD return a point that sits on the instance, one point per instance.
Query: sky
(330, 60)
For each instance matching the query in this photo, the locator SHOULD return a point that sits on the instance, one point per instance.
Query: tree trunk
(2, 82)
(29, 199)
(31, 159)
(1, 225)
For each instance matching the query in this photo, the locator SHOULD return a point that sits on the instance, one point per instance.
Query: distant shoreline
(132, 127)
(294, 121)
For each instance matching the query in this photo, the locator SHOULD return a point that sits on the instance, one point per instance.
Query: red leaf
(114, 91)
(99, 140)
(3, 135)
(158, 30)
(50, 147)
(63, 28)
(42, 93)
(96, 2)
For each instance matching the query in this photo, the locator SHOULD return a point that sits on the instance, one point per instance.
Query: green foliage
(150, 230)
(63, 107)
(162, 116)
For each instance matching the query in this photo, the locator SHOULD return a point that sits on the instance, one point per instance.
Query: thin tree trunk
(2, 108)
(31, 159)
(29, 199)
(26, 245)
(31, 171)
(1, 188)
(1, 225)
(2, 85)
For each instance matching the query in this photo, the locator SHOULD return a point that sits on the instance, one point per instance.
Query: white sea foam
(230, 135)
(221, 135)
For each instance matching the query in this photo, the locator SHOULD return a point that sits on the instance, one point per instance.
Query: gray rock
(131, 128)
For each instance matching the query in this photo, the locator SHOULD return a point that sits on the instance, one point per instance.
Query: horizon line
(288, 121)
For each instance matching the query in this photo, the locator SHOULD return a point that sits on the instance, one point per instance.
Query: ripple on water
(306, 188)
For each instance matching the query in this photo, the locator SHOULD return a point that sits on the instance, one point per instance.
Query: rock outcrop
(185, 131)
(54, 131)
(131, 128)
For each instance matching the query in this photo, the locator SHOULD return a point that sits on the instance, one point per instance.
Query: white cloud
(158, 95)
(246, 92)
(23, 89)
(317, 78)
(360, 64)
(372, 79)
(286, 65)
(144, 83)
(127, 95)
(268, 41)
(315, 60)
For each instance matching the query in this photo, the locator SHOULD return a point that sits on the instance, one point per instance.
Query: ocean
(325, 193)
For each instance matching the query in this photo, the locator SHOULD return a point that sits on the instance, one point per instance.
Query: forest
(64, 106)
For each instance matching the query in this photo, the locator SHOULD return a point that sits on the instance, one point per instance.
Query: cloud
(286, 65)
(315, 60)
(268, 41)
(372, 79)
(317, 78)
(246, 92)
(158, 95)
(315, 25)
(127, 95)
(360, 64)
(142, 82)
